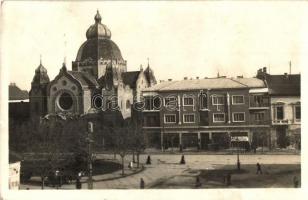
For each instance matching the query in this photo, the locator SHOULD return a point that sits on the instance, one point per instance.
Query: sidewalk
(222, 152)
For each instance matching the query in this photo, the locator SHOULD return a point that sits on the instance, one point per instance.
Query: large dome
(98, 44)
(97, 48)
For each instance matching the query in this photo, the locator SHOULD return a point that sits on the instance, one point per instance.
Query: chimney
(197, 77)
(185, 78)
(169, 79)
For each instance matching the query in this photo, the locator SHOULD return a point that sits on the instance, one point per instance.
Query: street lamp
(89, 142)
(238, 155)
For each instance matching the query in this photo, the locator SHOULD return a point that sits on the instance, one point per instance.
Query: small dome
(98, 30)
(41, 75)
(41, 69)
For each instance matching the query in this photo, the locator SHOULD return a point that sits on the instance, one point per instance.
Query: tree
(122, 142)
(137, 140)
(53, 143)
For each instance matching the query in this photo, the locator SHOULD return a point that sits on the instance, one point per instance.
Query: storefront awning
(149, 93)
(240, 139)
(259, 90)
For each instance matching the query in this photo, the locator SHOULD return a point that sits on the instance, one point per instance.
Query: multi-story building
(19, 107)
(284, 91)
(207, 113)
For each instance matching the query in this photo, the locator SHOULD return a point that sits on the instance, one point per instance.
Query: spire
(40, 59)
(290, 67)
(148, 62)
(63, 68)
(141, 67)
(97, 17)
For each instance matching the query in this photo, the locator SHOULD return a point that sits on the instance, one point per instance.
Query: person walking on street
(228, 179)
(142, 183)
(259, 170)
(78, 183)
(198, 182)
(182, 160)
(295, 181)
(148, 160)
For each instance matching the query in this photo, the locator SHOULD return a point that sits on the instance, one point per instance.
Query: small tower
(149, 74)
(38, 92)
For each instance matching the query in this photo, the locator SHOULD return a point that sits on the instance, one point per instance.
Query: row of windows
(236, 117)
(279, 112)
(216, 100)
(187, 118)
(217, 117)
(155, 103)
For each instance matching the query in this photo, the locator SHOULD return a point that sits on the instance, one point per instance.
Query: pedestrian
(198, 182)
(78, 183)
(148, 160)
(142, 183)
(254, 149)
(295, 181)
(182, 160)
(228, 182)
(259, 170)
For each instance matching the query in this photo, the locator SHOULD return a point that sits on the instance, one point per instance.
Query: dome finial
(97, 17)
(63, 68)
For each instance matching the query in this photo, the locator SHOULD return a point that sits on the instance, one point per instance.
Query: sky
(181, 39)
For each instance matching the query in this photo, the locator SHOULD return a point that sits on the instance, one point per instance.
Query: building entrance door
(281, 136)
(190, 140)
(205, 140)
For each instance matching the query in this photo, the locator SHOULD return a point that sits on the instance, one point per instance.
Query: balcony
(257, 105)
(281, 122)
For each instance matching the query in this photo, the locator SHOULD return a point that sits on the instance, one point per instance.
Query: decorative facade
(98, 80)
(285, 93)
(210, 113)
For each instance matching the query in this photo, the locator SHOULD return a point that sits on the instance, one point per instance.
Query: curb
(117, 177)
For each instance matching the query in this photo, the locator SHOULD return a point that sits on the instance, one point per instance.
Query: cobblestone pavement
(165, 167)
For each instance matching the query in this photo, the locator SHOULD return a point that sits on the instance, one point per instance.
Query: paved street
(166, 167)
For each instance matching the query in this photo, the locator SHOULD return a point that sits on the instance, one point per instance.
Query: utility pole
(89, 141)
(238, 155)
